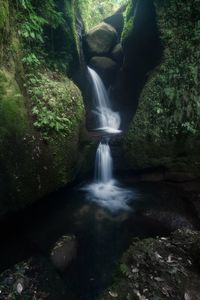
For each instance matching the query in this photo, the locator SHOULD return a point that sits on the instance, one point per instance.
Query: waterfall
(108, 120)
(104, 190)
(103, 163)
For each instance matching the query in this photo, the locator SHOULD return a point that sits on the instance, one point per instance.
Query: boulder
(116, 21)
(101, 39)
(64, 251)
(105, 67)
(117, 53)
(33, 278)
(159, 268)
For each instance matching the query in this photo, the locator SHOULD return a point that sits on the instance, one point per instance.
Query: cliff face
(165, 129)
(41, 109)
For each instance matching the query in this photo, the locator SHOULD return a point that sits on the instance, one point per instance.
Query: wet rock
(64, 251)
(101, 39)
(105, 67)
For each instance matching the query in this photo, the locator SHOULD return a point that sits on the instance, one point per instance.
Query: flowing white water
(105, 191)
(108, 120)
(103, 163)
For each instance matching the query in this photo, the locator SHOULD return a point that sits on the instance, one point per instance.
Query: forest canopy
(94, 11)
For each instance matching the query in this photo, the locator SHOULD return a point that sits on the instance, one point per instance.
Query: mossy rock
(32, 167)
(101, 39)
(41, 109)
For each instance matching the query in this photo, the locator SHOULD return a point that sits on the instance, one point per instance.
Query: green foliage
(124, 269)
(31, 60)
(32, 30)
(56, 103)
(54, 99)
(48, 31)
(93, 12)
(128, 20)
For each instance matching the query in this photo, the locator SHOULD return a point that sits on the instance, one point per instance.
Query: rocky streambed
(75, 249)
(159, 268)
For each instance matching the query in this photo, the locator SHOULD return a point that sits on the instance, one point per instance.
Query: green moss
(4, 14)
(13, 124)
(4, 26)
(128, 20)
(72, 42)
(12, 110)
(168, 116)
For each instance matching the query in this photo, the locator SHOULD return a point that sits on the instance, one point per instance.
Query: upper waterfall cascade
(108, 120)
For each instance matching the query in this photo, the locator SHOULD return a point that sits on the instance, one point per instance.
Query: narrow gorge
(99, 150)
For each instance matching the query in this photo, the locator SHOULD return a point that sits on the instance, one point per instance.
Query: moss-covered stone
(31, 166)
(165, 130)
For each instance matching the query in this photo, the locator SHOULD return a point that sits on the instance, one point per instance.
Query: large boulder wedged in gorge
(101, 39)
(105, 67)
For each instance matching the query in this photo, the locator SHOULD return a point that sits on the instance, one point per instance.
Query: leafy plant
(31, 60)
(124, 269)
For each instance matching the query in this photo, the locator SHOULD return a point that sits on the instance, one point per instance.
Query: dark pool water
(102, 236)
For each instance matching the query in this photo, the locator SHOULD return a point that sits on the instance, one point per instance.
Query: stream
(102, 235)
(104, 215)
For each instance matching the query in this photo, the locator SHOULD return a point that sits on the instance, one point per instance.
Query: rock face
(141, 53)
(41, 112)
(100, 39)
(165, 129)
(105, 67)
